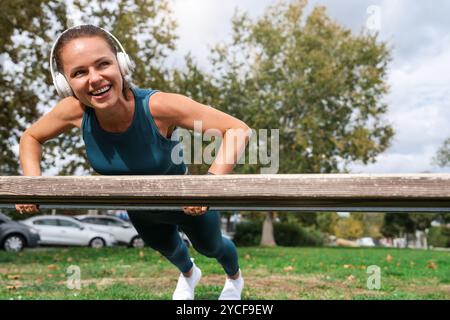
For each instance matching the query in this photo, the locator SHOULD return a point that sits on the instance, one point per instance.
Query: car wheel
(13, 243)
(97, 243)
(137, 242)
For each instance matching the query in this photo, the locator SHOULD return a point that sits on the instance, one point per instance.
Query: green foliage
(24, 77)
(349, 228)
(371, 223)
(400, 223)
(442, 158)
(293, 235)
(321, 85)
(304, 218)
(248, 234)
(286, 234)
(439, 237)
(396, 223)
(326, 221)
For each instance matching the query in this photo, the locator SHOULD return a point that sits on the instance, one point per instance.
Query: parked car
(366, 242)
(63, 230)
(14, 236)
(122, 231)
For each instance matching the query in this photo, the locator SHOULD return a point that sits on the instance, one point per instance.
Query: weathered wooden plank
(281, 190)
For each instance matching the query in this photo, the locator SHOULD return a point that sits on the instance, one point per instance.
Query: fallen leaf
(348, 266)
(389, 258)
(52, 267)
(141, 254)
(69, 259)
(288, 268)
(398, 264)
(350, 278)
(247, 257)
(363, 267)
(431, 265)
(14, 277)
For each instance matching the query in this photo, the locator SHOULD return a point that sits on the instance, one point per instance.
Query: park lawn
(269, 273)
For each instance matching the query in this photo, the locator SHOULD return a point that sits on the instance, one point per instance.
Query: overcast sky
(419, 75)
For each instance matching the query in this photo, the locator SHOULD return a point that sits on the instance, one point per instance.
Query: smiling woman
(125, 130)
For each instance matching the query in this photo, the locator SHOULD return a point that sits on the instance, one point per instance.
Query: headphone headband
(59, 80)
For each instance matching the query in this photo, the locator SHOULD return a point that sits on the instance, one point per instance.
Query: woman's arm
(60, 119)
(178, 110)
(181, 111)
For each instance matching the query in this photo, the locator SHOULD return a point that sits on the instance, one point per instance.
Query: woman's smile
(101, 93)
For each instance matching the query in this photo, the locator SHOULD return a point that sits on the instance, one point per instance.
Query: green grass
(269, 273)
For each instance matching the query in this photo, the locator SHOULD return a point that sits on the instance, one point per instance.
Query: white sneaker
(185, 286)
(233, 288)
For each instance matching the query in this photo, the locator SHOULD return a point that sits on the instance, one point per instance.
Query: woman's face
(92, 71)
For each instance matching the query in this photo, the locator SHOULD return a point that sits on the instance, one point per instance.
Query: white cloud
(204, 23)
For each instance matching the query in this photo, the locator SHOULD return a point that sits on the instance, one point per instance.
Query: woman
(126, 131)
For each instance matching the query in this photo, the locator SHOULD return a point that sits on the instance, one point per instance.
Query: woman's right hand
(27, 208)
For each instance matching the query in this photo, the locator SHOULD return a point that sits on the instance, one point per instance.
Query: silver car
(14, 236)
(63, 230)
(122, 231)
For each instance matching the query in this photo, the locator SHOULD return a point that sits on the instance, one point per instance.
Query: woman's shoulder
(160, 104)
(70, 109)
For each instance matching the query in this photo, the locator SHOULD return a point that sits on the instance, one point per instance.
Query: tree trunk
(267, 237)
(229, 223)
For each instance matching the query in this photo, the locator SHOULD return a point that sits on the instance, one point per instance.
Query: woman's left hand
(195, 211)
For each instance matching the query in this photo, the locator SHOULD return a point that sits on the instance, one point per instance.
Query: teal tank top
(140, 150)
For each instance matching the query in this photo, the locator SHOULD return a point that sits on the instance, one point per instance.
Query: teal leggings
(159, 230)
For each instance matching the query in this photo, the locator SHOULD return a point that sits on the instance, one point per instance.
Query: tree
(371, 222)
(326, 221)
(442, 158)
(349, 228)
(144, 27)
(322, 86)
(23, 74)
(397, 224)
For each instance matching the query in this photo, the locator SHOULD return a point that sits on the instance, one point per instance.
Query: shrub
(293, 235)
(286, 234)
(248, 234)
(439, 237)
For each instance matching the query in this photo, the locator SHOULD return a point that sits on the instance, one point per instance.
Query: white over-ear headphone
(59, 80)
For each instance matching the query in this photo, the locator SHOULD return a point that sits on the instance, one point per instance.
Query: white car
(63, 230)
(122, 231)
(366, 242)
